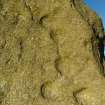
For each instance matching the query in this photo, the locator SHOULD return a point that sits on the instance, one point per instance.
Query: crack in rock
(95, 49)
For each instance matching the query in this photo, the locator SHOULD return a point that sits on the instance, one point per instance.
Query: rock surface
(49, 53)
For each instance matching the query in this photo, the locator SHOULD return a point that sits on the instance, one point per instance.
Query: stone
(49, 53)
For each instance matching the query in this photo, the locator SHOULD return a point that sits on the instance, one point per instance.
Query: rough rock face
(49, 53)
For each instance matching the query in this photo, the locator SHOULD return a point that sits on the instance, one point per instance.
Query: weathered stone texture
(48, 53)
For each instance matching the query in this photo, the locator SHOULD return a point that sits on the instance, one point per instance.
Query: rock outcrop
(49, 53)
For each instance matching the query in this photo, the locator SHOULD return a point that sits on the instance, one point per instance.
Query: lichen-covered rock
(49, 53)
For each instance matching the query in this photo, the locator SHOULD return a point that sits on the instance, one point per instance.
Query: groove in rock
(52, 36)
(21, 49)
(75, 93)
(42, 18)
